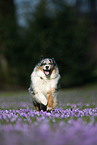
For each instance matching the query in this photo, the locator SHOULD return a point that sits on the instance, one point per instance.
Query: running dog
(44, 84)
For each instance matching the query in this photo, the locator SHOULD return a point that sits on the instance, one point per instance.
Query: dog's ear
(41, 57)
(54, 62)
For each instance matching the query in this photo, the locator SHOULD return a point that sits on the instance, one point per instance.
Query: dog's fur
(44, 84)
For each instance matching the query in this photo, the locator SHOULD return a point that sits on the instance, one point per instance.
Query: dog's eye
(50, 63)
(43, 64)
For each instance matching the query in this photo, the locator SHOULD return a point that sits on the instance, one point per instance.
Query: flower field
(68, 124)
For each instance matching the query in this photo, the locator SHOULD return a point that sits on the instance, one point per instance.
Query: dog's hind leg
(43, 107)
(37, 105)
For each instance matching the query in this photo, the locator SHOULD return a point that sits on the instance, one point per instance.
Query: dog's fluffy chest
(46, 85)
(43, 85)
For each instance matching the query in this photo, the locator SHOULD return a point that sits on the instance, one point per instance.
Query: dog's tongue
(47, 72)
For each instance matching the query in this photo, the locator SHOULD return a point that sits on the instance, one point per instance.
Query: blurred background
(63, 29)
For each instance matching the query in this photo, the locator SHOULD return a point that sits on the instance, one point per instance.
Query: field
(73, 122)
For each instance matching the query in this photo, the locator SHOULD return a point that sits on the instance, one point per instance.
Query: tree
(7, 38)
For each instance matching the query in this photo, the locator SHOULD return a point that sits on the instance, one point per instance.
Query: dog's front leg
(40, 98)
(51, 100)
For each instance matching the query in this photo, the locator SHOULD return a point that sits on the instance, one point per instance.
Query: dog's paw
(49, 108)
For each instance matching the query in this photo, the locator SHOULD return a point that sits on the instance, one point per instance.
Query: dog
(44, 84)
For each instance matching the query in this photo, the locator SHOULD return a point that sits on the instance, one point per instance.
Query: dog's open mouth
(47, 72)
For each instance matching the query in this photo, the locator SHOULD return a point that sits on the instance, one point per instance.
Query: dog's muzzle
(47, 70)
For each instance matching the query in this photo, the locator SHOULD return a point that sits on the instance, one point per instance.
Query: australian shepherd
(44, 84)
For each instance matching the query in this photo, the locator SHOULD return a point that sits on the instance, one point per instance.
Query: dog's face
(47, 66)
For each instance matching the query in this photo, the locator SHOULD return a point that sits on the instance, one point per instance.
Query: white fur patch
(41, 98)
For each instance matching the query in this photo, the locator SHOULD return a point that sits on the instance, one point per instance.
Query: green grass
(14, 96)
(85, 94)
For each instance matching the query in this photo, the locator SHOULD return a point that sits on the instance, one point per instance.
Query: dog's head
(48, 66)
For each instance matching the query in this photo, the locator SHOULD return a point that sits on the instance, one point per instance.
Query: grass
(85, 94)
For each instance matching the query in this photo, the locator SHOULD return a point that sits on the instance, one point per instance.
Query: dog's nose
(47, 67)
